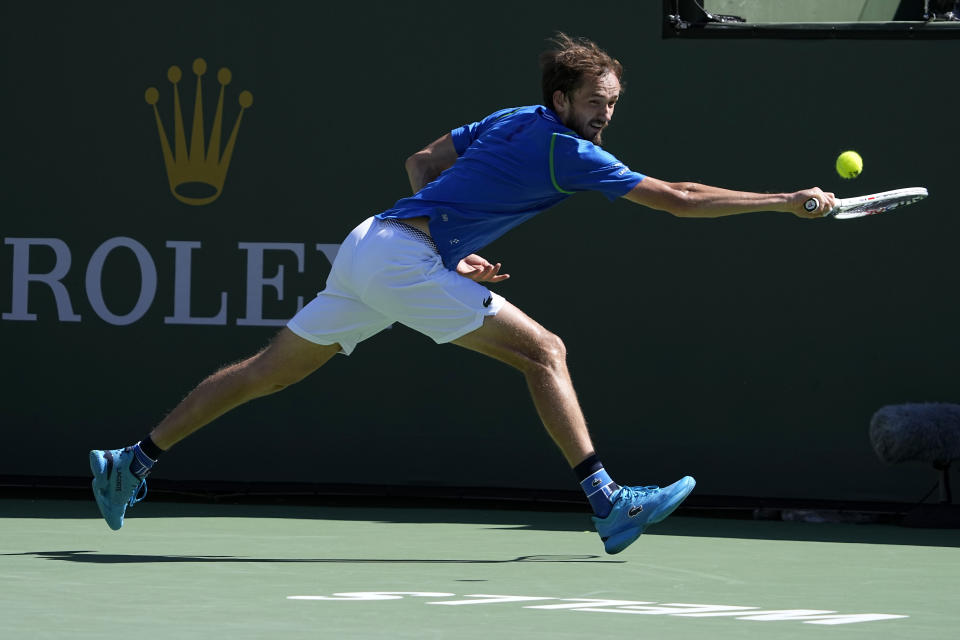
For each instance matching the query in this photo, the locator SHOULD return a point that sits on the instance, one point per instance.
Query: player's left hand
(480, 269)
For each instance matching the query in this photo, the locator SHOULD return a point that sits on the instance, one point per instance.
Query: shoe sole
(617, 543)
(97, 467)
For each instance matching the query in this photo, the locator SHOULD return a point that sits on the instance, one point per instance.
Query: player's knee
(277, 386)
(279, 379)
(550, 353)
(266, 375)
(557, 350)
(265, 384)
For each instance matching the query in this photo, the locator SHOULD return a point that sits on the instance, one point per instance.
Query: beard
(585, 131)
(589, 133)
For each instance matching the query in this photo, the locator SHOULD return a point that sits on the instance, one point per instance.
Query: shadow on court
(677, 525)
(490, 518)
(93, 557)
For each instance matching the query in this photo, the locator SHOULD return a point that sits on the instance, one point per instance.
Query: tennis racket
(868, 205)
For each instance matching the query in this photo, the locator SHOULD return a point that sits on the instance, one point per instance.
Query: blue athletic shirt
(512, 165)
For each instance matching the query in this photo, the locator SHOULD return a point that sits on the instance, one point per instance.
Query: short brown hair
(564, 67)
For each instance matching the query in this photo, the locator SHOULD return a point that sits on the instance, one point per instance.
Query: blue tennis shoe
(114, 485)
(636, 508)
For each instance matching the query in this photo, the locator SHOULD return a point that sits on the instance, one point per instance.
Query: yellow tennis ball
(849, 164)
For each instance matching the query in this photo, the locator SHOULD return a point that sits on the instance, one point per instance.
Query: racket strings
(880, 205)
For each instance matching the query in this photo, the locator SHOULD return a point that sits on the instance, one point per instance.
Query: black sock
(150, 448)
(596, 484)
(145, 454)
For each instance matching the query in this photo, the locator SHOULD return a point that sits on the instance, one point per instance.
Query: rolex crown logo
(197, 177)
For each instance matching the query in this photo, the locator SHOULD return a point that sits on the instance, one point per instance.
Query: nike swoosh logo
(488, 301)
(635, 511)
(596, 481)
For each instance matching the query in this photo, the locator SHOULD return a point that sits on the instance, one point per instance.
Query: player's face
(589, 110)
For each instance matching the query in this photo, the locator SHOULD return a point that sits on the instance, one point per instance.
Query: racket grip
(811, 205)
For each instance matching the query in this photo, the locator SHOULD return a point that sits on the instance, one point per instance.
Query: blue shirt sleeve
(464, 136)
(580, 165)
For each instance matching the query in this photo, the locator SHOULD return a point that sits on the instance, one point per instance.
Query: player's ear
(559, 101)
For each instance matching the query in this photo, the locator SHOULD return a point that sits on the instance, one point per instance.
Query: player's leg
(622, 512)
(335, 321)
(286, 360)
(421, 293)
(513, 337)
(119, 475)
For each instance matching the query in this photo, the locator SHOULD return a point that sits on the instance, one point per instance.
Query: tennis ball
(849, 164)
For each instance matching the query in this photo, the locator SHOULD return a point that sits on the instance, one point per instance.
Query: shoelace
(139, 494)
(638, 492)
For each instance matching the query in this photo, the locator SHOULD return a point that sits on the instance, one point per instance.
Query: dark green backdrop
(749, 352)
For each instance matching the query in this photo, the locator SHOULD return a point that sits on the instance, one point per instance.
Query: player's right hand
(825, 200)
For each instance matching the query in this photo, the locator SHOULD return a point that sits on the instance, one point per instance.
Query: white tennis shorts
(385, 273)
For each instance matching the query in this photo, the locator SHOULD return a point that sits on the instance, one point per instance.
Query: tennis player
(416, 264)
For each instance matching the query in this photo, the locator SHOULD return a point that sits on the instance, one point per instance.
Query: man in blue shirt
(504, 170)
(416, 264)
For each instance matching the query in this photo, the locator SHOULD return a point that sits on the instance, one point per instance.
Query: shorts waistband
(411, 232)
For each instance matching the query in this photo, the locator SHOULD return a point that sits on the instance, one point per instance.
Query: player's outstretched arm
(425, 165)
(693, 200)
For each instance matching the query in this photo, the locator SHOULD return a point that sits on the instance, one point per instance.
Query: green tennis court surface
(219, 571)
